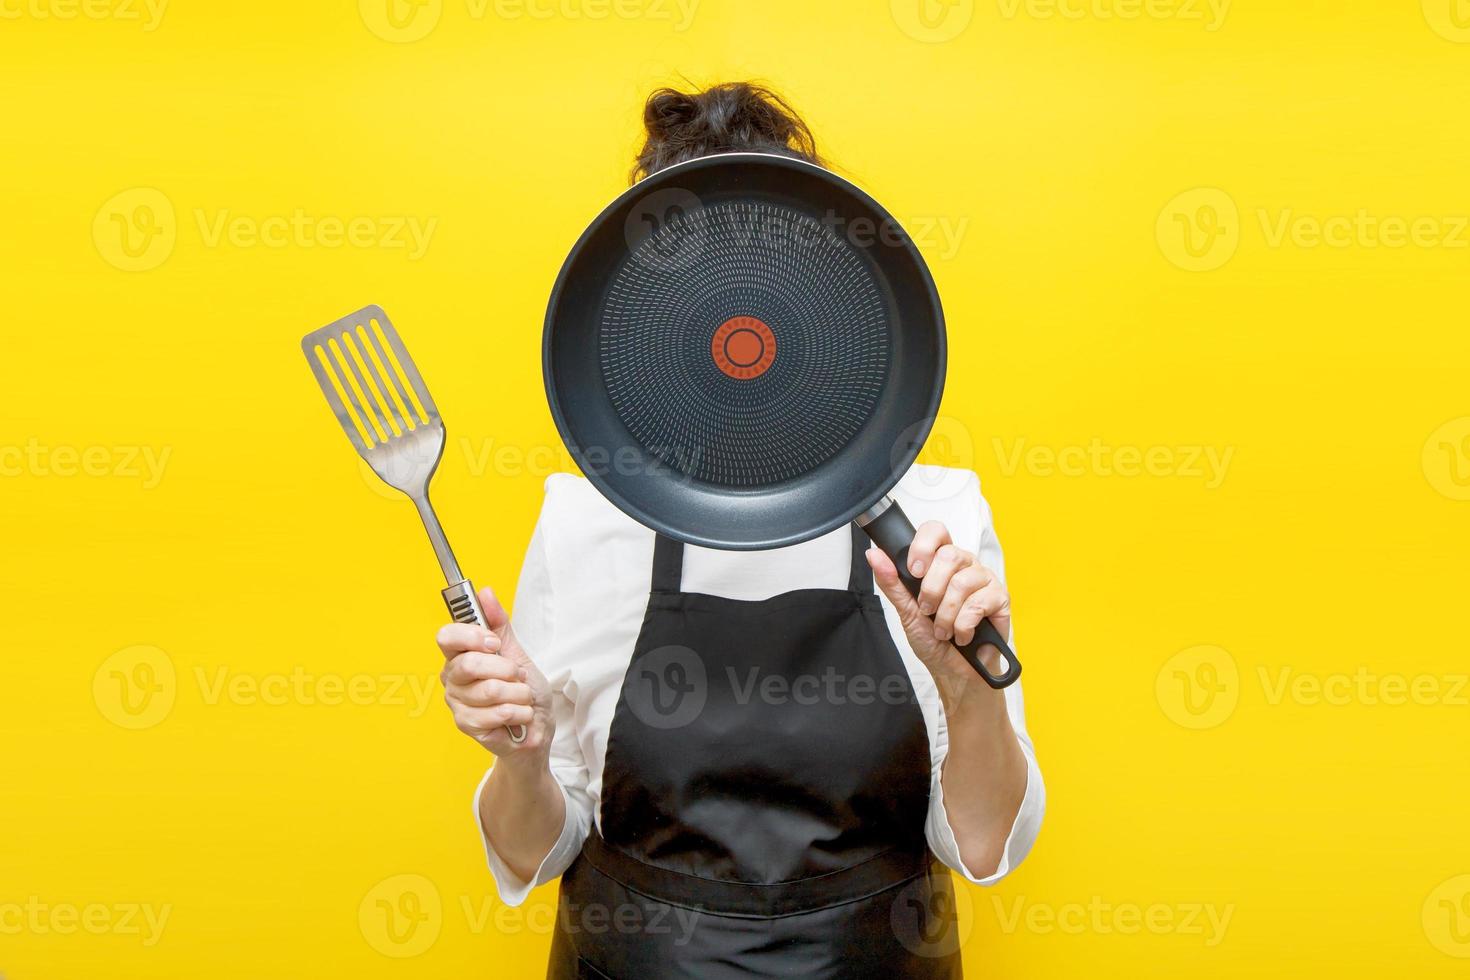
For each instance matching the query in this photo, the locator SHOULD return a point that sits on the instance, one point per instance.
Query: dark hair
(721, 119)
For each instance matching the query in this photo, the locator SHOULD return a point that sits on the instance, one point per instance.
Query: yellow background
(1073, 152)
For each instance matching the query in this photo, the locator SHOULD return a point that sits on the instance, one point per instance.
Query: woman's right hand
(490, 683)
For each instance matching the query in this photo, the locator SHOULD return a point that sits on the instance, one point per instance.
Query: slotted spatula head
(379, 397)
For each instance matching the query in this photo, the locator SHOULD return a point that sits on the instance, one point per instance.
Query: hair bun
(668, 111)
(724, 118)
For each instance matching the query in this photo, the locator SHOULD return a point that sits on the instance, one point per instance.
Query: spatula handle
(464, 607)
(892, 532)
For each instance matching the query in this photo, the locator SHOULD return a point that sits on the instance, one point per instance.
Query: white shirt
(580, 603)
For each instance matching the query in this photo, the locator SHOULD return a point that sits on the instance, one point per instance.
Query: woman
(746, 764)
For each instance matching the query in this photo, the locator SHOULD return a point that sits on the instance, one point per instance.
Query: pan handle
(890, 529)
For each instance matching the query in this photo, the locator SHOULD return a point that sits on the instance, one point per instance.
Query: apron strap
(668, 564)
(861, 577)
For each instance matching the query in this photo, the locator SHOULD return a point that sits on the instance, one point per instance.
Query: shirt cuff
(512, 889)
(1024, 829)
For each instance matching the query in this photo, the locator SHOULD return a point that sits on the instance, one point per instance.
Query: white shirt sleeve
(535, 625)
(1027, 825)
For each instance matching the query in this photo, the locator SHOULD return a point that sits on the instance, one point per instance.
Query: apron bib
(764, 797)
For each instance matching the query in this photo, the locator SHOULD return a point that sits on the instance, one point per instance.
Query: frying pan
(746, 351)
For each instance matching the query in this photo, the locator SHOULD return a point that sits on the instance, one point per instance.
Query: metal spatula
(380, 399)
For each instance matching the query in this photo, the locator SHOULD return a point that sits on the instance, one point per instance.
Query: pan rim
(898, 467)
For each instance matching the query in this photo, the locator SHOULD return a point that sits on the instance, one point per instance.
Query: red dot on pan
(743, 348)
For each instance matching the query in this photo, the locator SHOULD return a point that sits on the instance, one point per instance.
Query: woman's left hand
(957, 593)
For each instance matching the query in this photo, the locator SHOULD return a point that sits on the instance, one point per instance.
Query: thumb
(916, 626)
(495, 615)
(885, 573)
(499, 622)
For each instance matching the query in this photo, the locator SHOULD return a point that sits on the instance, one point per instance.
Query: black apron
(763, 801)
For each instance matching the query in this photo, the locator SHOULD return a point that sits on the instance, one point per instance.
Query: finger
(456, 638)
(483, 721)
(469, 668)
(495, 615)
(947, 560)
(987, 603)
(928, 539)
(488, 694)
(963, 584)
(886, 575)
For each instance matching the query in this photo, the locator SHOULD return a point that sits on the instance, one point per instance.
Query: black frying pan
(745, 351)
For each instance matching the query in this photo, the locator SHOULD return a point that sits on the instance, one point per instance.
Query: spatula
(380, 398)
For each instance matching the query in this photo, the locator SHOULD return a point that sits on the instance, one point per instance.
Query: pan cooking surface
(744, 343)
